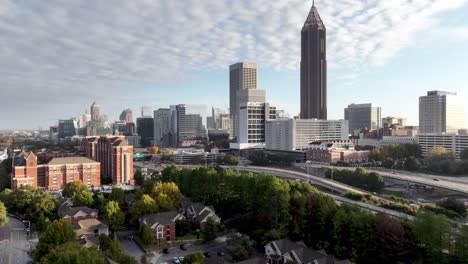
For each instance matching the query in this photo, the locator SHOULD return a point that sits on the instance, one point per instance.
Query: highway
(287, 174)
(14, 244)
(446, 183)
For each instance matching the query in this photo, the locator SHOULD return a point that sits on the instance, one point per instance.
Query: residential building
(74, 214)
(126, 116)
(55, 174)
(162, 225)
(3, 155)
(452, 142)
(313, 67)
(335, 151)
(363, 117)
(83, 121)
(67, 128)
(390, 121)
(441, 112)
(242, 75)
(286, 251)
(115, 156)
(296, 134)
(90, 228)
(197, 213)
(145, 129)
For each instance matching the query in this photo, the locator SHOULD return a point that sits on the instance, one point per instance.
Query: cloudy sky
(57, 57)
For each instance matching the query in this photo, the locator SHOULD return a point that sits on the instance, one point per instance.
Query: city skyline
(118, 65)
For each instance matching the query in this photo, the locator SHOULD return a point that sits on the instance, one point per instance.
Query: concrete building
(163, 127)
(390, 121)
(313, 67)
(242, 75)
(385, 141)
(55, 174)
(336, 151)
(83, 120)
(145, 129)
(126, 116)
(441, 112)
(146, 111)
(189, 127)
(115, 155)
(67, 128)
(297, 134)
(134, 140)
(363, 117)
(95, 112)
(452, 142)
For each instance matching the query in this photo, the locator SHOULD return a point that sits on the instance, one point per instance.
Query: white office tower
(441, 112)
(297, 134)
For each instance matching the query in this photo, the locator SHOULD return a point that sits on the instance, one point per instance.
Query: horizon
(55, 63)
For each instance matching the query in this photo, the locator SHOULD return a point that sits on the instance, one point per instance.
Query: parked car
(184, 246)
(207, 254)
(221, 253)
(175, 260)
(181, 259)
(166, 250)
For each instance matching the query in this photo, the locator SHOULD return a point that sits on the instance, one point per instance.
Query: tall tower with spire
(95, 109)
(313, 67)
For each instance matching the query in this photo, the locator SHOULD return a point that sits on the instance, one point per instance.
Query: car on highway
(436, 179)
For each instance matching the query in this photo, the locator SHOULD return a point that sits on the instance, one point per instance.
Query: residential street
(14, 243)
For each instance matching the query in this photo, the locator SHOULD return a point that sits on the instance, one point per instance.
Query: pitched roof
(284, 245)
(314, 20)
(307, 255)
(164, 218)
(65, 210)
(88, 225)
(70, 160)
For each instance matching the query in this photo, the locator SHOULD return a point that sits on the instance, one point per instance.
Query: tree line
(268, 208)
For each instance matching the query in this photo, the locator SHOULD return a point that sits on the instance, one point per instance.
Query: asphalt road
(14, 243)
(177, 252)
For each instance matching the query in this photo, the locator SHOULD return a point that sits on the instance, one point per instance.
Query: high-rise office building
(296, 134)
(363, 116)
(390, 121)
(95, 112)
(242, 75)
(146, 111)
(126, 115)
(67, 128)
(145, 129)
(441, 112)
(163, 127)
(189, 126)
(313, 67)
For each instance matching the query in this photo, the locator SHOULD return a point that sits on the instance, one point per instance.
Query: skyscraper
(95, 112)
(242, 75)
(363, 116)
(441, 112)
(313, 67)
(126, 115)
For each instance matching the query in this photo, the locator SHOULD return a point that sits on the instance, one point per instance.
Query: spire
(313, 19)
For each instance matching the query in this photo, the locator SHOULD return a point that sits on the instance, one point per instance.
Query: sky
(57, 57)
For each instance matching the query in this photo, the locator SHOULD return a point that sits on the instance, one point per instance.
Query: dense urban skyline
(377, 52)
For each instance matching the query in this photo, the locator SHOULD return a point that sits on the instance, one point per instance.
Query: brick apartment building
(55, 174)
(115, 156)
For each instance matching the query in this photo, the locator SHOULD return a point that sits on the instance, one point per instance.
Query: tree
(146, 235)
(194, 258)
(183, 227)
(209, 230)
(3, 214)
(114, 214)
(79, 193)
(453, 205)
(143, 206)
(117, 195)
(412, 164)
(138, 177)
(230, 159)
(73, 253)
(57, 233)
(167, 195)
(464, 154)
(116, 253)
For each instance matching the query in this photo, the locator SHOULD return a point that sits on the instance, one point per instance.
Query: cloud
(57, 51)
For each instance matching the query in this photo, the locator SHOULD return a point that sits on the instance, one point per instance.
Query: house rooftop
(164, 218)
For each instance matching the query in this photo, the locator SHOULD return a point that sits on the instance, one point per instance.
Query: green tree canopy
(209, 230)
(3, 214)
(143, 206)
(57, 233)
(167, 195)
(194, 258)
(79, 193)
(114, 215)
(73, 253)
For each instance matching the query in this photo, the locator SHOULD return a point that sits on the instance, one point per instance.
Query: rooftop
(71, 160)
